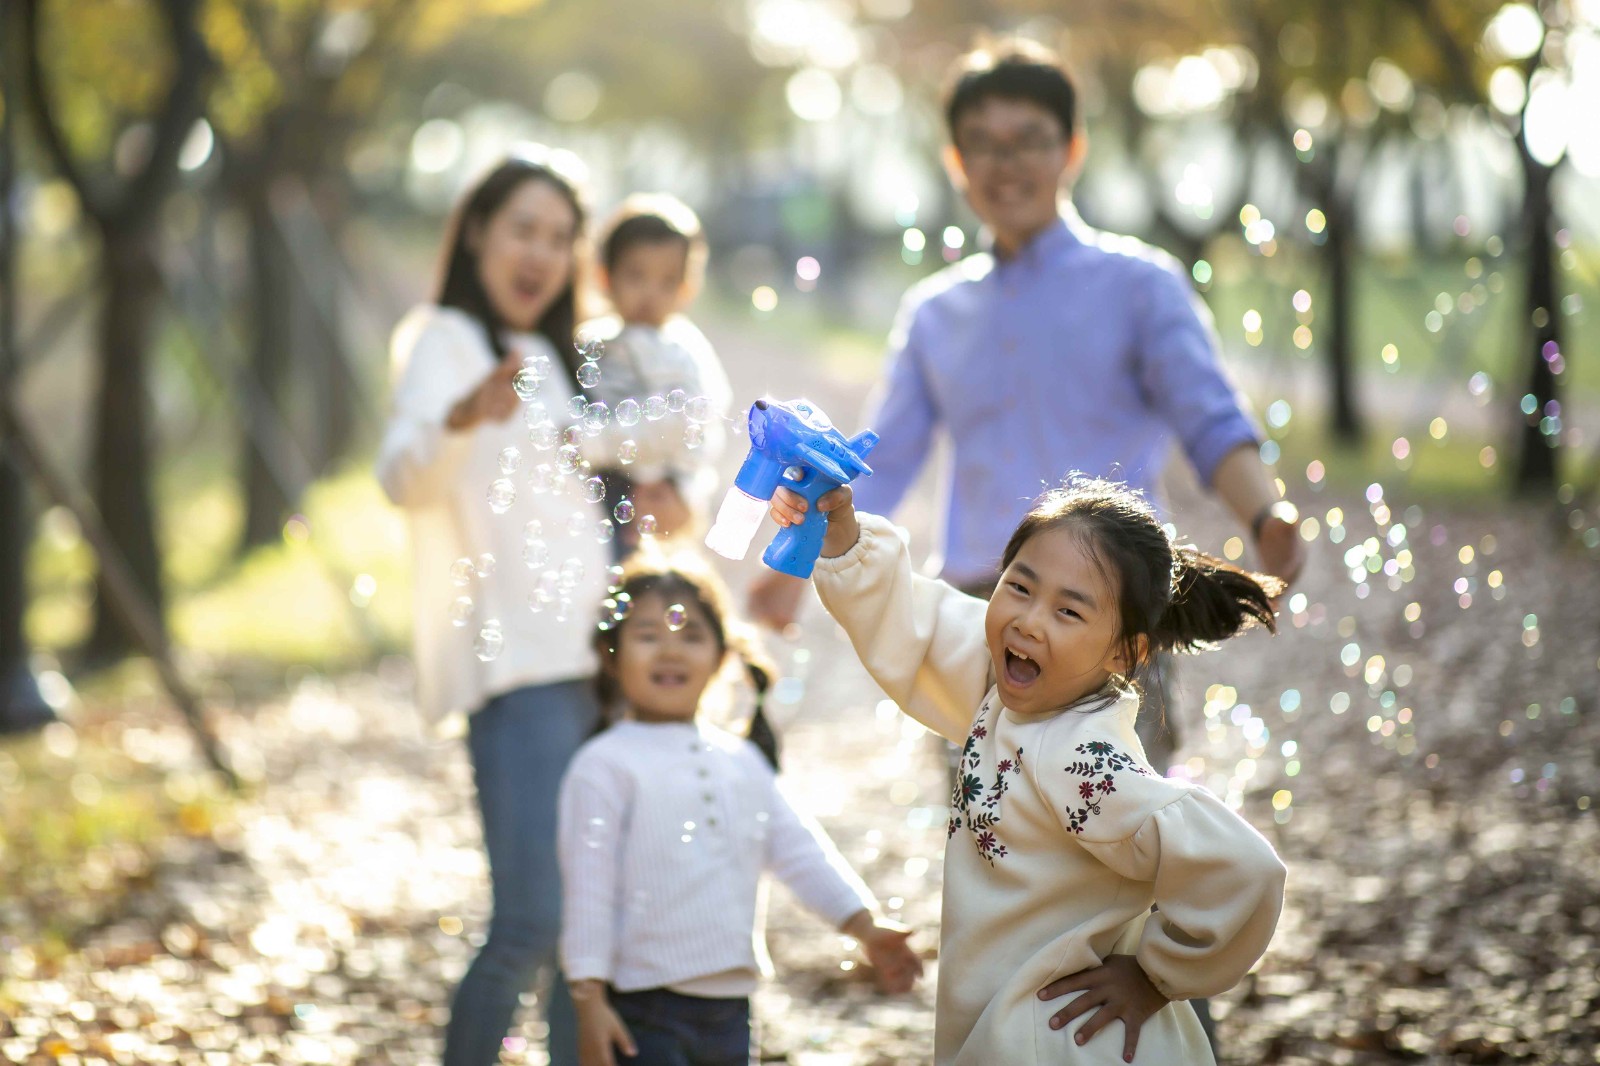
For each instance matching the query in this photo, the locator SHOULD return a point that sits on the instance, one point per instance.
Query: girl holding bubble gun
(1061, 837)
(666, 824)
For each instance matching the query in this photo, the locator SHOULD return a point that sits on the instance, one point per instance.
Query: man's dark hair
(1013, 69)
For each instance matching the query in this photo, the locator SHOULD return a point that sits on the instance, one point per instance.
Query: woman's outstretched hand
(494, 400)
(789, 508)
(1121, 991)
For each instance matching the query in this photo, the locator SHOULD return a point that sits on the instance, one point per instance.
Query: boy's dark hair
(685, 578)
(1175, 595)
(651, 218)
(1012, 69)
(460, 285)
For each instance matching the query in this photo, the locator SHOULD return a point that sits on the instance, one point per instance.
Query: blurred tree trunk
(1536, 470)
(1337, 201)
(122, 444)
(297, 356)
(124, 214)
(267, 499)
(335, 397)
(21, 706)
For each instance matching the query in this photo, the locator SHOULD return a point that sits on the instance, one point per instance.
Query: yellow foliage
(107, 63)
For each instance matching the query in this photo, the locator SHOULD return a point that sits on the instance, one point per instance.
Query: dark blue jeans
(521, 743)
(672, 1029)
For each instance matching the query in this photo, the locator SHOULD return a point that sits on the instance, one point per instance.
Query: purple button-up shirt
(1085, 352)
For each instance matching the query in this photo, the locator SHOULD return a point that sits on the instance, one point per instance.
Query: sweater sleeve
(920, 639)
(589, 834)
(419, 458)
(800, 855)
(1218, 884)
(1182, 377)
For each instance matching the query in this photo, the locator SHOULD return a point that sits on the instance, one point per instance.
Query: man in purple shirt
(1059, 349)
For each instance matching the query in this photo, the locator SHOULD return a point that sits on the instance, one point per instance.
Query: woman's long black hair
(460, 285)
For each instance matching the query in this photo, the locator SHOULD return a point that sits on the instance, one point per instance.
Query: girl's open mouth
(669, 678)
(1020, 670)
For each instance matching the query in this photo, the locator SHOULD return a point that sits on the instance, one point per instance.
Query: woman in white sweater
(509, 565)
(1061, 835)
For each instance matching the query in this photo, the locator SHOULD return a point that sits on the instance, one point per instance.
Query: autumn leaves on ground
(1423, 757)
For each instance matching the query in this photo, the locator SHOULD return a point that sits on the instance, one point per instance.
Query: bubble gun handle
(794, 445)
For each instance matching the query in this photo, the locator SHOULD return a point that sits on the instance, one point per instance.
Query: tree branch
(184, 104)
(44, 118)
(1456, 58)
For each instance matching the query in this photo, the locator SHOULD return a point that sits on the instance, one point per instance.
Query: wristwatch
(1282, 510)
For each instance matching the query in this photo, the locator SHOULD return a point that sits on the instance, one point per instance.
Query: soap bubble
(596, 416)
(541, 478)
(677, 617)
(676, 400)
(573, 434)
(577, 405)
(535, 553)
(490, 641)
(628, 412)
(655, 408)
(698, 409)
(591, 348)
(509, 460)
(605, 531)
(571, 573)
(461, 611)
(694, 435)
(577, 524)
(594, 490)
(485, 564)
(589, 375)
(624, 605)
(567, 457)
(502, 494)
(526, 384)
(544, 436)
(533, 530)
(533, 413)
(647, 525)
(623, 511)
(627, 452)
(461, 572)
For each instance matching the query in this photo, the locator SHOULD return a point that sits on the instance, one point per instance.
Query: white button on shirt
(665, 831)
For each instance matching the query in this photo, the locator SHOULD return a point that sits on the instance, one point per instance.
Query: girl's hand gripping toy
(794, 445)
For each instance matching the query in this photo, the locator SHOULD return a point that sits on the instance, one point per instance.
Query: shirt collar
(1049, 242)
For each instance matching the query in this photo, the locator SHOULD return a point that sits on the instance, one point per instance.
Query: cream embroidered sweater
(1061, 838)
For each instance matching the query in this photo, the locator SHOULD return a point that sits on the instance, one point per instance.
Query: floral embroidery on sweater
(972, 804)
(1098, 769)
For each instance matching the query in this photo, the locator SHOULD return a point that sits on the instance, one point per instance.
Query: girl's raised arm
(921, 640)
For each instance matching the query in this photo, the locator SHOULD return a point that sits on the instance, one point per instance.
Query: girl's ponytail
(743, 643)
(1211, 601)
(761, 733)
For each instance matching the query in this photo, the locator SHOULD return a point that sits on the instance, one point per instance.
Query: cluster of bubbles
(463, 572)
(558, 465)
(1394, 552)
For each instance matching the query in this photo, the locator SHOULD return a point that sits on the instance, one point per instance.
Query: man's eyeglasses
(1031, 151)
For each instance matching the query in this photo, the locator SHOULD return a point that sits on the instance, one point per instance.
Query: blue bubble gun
(794, 445)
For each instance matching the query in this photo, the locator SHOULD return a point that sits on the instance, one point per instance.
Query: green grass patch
(85, 808)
